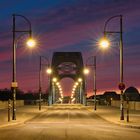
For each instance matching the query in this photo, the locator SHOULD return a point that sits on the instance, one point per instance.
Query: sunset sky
(71, 25)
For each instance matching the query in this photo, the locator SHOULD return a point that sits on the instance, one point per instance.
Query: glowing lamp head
(60, 89)
(104, 43)
(49, 71)
(74, 86)
(80, 80)
(31, 43)
(86, 71)
(54, 79)
(76, 83)
(73, 89)
(57, 83)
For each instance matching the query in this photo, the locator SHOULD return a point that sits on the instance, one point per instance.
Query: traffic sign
(121, 86)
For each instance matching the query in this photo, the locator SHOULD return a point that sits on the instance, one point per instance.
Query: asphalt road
(68, 123)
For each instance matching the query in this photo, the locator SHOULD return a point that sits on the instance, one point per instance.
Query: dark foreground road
(69, 122)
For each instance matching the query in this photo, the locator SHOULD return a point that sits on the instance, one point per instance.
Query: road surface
(68, 122)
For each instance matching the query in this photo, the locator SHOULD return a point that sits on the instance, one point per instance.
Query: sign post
(121, 86)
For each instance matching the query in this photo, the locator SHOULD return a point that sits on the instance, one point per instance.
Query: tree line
(6, 94)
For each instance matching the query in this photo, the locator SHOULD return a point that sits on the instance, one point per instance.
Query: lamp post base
(122, 107)
(14, 104)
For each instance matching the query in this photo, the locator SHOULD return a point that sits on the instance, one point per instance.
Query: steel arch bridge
(70, 65)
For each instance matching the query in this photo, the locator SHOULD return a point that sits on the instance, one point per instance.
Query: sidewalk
(23, 114)
(112, 114)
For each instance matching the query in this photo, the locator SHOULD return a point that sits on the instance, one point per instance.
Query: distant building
(106, 97)
(132, 93)
(110, 95)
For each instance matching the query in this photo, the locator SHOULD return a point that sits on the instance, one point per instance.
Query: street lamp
(121, 85)
(49, 71)
(31, 43)
(86, 71)
(40, 75)
(76, 83)
(14, 83)
(80, 80)
(91, 62)
(54, 80)
(104, 43)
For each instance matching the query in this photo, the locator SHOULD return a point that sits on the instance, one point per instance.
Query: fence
(4, 104)
(132, 104)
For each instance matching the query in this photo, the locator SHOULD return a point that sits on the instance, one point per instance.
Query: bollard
(9, 109)
(127, 101)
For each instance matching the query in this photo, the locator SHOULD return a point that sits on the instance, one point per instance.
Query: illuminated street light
(76, 83)
(73, 99)
(60, 89)
(79, 79)
(62, 96)
(80, 90)
(54, 79)
(73, 89)
(104, 43)
(121, 85)
(86, 71)
(91, 62)
(40, 76)
(14, 84)
(57, 83)
(49, 71)
(31, 43)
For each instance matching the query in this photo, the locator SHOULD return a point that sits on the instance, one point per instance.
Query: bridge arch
(67, 65)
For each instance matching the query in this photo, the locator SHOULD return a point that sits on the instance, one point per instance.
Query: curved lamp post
(93, 64)
(105, 43)
(54, 80)
(80, 80)
(49, 71)
(30, 43)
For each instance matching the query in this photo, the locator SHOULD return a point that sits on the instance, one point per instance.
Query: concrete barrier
(4, 104)
(132, 104)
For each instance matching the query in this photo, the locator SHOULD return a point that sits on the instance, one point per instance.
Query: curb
(10, 124)
(117, 123)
